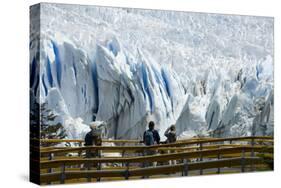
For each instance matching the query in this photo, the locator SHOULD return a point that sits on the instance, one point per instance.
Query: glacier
(209, 74)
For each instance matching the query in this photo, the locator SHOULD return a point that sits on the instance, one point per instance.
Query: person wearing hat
(171, 135)
(93, 138)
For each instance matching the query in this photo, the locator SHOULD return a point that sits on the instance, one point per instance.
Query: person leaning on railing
(171, 134)
(93, 138)
(150, 137)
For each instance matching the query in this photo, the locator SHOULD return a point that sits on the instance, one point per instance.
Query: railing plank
(149, 171)
(158, 158)
(196, 140)
(141, 148)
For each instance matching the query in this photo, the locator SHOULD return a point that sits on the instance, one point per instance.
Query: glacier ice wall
(209, 74)
(113, 86)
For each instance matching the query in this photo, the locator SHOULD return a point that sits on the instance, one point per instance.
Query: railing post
(170, 161)
(243, 161)
(98, 168)
(50, 158)
(252, 144)
(99, 164)
(88, 169)
(123, 154)
(198, 150)
(201, 158)
(144, 163)
(185, 167)
(80, 152)
(219, 157)
(88, 163)
(50, 170)
(127, 171)
(252, 153)
(62, 178)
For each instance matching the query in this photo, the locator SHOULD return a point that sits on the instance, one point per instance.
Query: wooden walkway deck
(185, 157)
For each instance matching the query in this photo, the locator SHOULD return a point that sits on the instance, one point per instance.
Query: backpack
(88, 139)
(148, 138)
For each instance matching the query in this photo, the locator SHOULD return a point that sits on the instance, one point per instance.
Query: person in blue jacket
(151, 136)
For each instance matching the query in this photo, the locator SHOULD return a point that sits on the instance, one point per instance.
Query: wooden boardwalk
(60, 165)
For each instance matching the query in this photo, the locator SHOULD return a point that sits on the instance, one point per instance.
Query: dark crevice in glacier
(116, 127)
(211, 121)
(141, 86)
(49, 73)
(167, 86)
(36, 85)
(131, 95)
(146, 85)
(127, 90)
(166, 82)
(112, 49)
(44, 85)
(57, 62)
(96, 88)
(75, 70)
(257, 72)
(33, 72)
(85, 92)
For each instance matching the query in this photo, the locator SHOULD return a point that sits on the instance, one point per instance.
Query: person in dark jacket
(151, 136)
(93, 138)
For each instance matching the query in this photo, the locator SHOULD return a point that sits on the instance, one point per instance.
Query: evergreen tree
(34, 120)
(48, 129)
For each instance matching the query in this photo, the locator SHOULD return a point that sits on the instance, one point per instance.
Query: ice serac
(263, 121)
(133, 91)
(223, 129)
(113, 85)
(213, 114)
(66, 84)
(68, 70)
(190, 124)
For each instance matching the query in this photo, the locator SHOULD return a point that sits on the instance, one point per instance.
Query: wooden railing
(185, 168)
(204, 139)
(155, 158)
(190, 155)
(172, 146)
(82, 141)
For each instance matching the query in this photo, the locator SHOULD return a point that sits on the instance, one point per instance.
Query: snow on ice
(209, 74)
